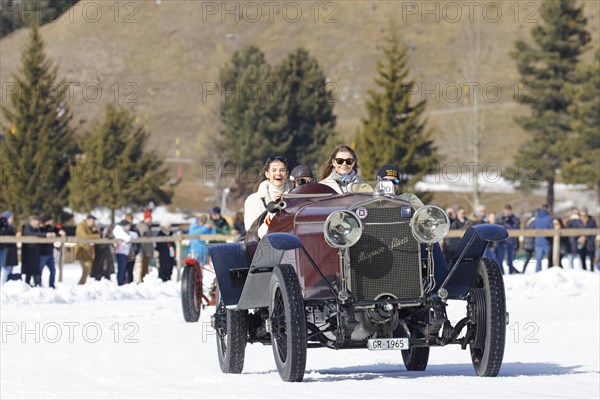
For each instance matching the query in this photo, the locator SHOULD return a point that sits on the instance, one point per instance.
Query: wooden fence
(70, 241)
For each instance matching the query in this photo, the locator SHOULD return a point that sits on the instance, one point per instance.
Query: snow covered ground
(102, 341)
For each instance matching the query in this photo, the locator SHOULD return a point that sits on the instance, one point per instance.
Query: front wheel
(288, 324)
(487, 302)
(231, 327)
(191, 294)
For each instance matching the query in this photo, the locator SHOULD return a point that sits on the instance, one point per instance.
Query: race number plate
(388, 344)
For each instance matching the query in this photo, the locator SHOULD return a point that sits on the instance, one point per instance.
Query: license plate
(388, 344)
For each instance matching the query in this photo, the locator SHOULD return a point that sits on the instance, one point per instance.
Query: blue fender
(268, 255)
(459, 279)
(231, 265)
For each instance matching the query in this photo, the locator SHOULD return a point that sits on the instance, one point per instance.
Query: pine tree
(548, 66)
(306, 106)
(252, 126)
(394, 129)
(116, 171)
(583, 165)
(39, 145)
(16, 14)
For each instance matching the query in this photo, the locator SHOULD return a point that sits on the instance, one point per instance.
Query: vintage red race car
(357, 270)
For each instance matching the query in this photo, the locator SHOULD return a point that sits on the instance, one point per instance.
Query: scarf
(345, 179)
(275, 191)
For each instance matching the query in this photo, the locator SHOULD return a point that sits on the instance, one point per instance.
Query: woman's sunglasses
(341, 161)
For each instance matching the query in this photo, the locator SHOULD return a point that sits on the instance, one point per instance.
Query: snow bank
(552, 282)
(549, 282)
(15, 293)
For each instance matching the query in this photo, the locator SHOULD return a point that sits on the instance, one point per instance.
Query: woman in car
(269, 190)
(341, 169)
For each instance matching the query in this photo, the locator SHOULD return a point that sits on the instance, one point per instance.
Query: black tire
(416, 358)
(231, 327)
(191, 297)
(489, 315)
(288, 324)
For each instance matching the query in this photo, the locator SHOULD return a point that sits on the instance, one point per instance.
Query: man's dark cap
(301, 171)
(388, 170)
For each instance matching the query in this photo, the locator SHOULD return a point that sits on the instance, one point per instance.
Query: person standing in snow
(30, 252)
(146, 249)
(166, 253)
(8, 251)
(47, 249)
(543, 220)
(85, 252)
(123, 249)
(198, 247)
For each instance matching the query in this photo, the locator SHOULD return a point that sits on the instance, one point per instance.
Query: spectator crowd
(98, 260)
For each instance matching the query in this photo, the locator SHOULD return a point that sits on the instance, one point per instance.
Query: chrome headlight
(342, 229)
(430, 224)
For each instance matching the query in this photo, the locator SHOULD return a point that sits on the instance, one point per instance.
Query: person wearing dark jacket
(451, 244)
(8, 251)
(588, 247)
(103, 265)
(47, 249)
(564, 241)
(528, 243)
(574, 222)
(509, 246)
(543, 220)
(166, 253)
(221, 225)
(30, 252)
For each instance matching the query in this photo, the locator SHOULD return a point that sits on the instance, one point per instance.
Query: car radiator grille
(386, 259)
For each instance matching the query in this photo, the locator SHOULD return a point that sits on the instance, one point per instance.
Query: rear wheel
(231, 327)
(288, 324)
(487, 303)
(191, 294)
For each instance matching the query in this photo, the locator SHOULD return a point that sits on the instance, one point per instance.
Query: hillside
(163, 59)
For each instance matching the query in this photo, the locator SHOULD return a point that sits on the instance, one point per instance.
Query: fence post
(178, 255)
(61, 262)
(556, 249)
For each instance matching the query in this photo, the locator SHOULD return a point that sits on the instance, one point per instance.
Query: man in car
(389, 173)
(301, 175)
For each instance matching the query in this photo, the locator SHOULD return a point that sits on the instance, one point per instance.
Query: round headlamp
(430, 224)
(342, 229)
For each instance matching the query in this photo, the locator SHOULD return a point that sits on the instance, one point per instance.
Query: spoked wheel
(487, 303)
(191, 294)
(231, 327)
(288, 324)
